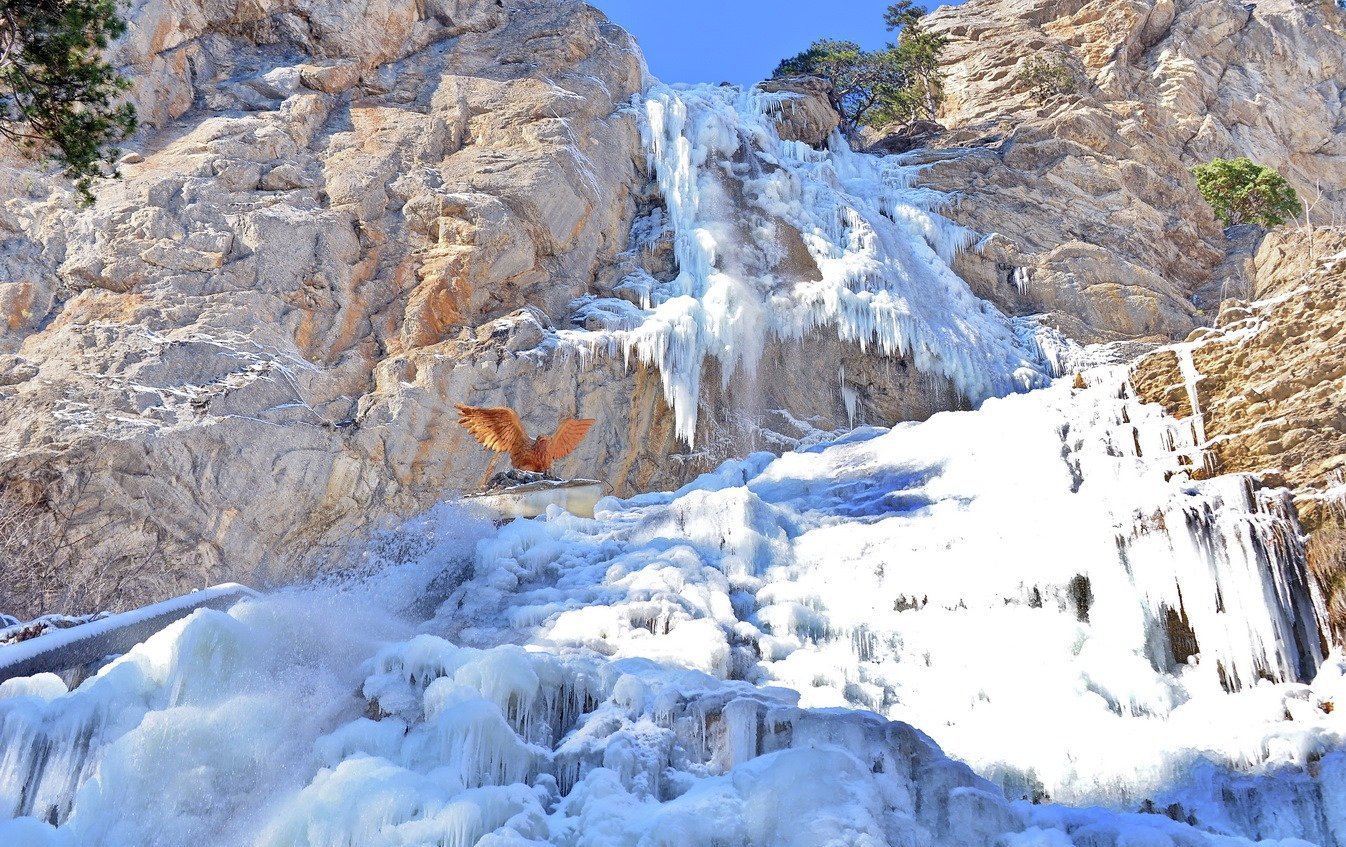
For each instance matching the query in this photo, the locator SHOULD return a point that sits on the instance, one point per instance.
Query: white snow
(722, 665)
(881, 246)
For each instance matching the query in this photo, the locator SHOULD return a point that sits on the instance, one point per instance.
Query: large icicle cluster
(881, 250)
(1038, 585)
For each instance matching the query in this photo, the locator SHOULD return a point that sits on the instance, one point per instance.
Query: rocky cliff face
(333, 227)
(1090, 212)
(319, 194)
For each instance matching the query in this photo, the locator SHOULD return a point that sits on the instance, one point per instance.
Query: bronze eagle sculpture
(501, 430)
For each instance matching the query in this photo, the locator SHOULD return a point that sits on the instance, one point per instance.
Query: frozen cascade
(1039, 585)
(1191, 377)
(881, 249)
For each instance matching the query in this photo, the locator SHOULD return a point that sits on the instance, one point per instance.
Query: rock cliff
(317, 194)
(1090, 213)
(331, 228)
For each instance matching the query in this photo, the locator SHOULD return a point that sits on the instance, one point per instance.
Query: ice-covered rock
(1267, 383)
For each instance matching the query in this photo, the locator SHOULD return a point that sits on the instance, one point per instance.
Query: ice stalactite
(1228, 564)
(1191, 379)
(849, 397)
(878, 248)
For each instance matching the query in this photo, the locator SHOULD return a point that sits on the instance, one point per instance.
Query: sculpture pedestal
(531, 499)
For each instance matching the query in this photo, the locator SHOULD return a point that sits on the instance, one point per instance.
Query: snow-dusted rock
(806, 113)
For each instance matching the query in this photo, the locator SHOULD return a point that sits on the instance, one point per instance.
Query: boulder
(904, 138)
(804, 109)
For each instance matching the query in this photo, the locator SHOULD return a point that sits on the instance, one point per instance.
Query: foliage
(51, 563)
(1241, 191)
(863, 82)
(901, 82)
(58, 96)
(1046, 79)
(918, 52)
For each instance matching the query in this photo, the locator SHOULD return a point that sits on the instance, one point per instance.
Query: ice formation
(881, 249)
(1038, 585)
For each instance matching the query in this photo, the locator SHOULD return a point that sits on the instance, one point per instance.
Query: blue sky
(740, 41)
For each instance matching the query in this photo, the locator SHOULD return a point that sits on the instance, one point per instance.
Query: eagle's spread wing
(567, 437)
(498, 429)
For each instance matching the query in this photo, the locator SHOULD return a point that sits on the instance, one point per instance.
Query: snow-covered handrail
(70, 648)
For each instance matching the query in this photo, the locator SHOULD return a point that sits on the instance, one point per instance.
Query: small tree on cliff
(58, 96)
(917, 53)
(1241, 191)
(901, 82)
(1046, 79)
(864, 82)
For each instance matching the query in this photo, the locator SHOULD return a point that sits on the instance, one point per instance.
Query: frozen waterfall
(873, 265)
(1029, 625)
(1039, 586)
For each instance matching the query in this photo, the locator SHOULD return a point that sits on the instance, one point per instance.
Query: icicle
(1191, 377)
(849, 396)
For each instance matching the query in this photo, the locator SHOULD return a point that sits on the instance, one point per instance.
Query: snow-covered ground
(1023, 625)
(724, 665)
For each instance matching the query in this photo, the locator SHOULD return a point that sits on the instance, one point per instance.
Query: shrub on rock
(1241, 191)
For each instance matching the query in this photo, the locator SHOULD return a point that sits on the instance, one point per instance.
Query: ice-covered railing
(881, 249)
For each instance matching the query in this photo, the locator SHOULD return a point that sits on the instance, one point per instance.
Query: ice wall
(876, 272)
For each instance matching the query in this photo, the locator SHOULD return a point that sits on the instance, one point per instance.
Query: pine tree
(58, 95)
(899, 83)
